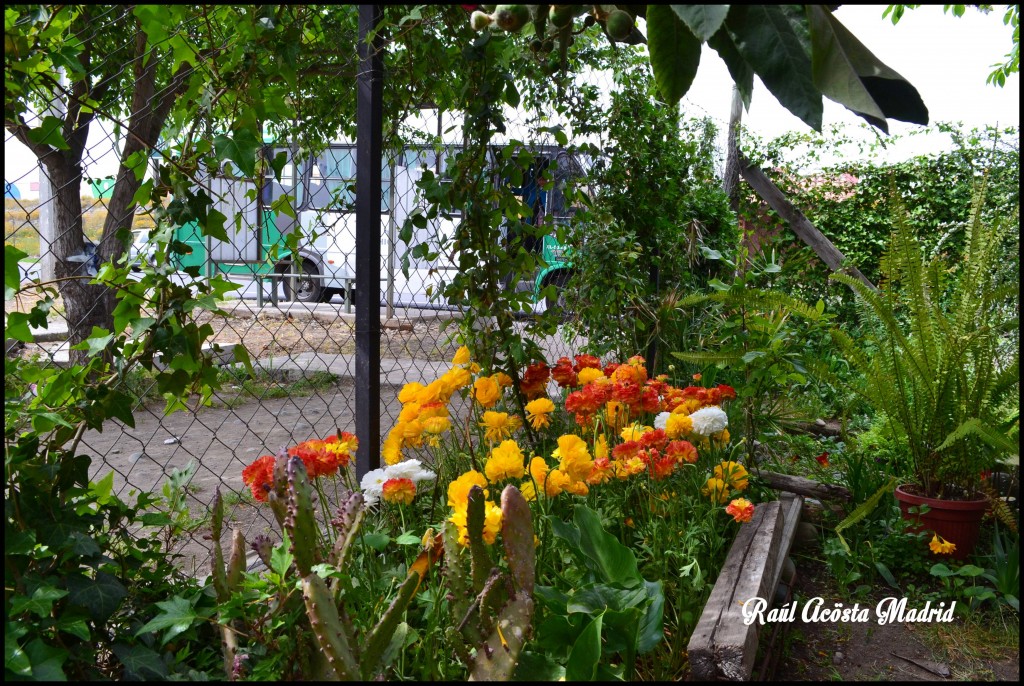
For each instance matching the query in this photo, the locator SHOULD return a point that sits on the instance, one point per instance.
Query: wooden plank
(802, 486)
(798, 223)
(792, 504)
(722, 645)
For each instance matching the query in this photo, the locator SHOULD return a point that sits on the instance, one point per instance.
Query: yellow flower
(503, 379)
(717, 490)
(409, 392)
(677, 426)
(634, 432)
(528, 490)
(573, 457)
(492, 522)
(435, 409)
(941, 546)
(474, 368)
(412, 433)
(456, 378)
(436, 391)
(505, 462)
(392, 450)
(687, 407)
(436, 425)
(734, 474)
(600, 445)
(537, 412)
(486, 391)
(499, 425)
(577, 488)
(556, 482)
(410, 411)
(616, 413)
(458, 490)
(721, 440)
(399, 491)
(461, 356)
(588, 374)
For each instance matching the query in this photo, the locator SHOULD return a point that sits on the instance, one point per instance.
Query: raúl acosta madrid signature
(887, 611)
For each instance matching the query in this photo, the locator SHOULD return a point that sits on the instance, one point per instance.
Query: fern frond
(975, 427)
(999, 507)
(863, 510)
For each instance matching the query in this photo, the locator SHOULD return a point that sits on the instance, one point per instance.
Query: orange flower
(323, 458)
(400, 491)
(741, 509)
(486, 391)
(259, 477)
(822, 459)
(683, 451)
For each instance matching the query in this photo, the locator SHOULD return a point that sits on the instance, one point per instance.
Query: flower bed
(627, 485)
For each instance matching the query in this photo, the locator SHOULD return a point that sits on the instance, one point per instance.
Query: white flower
(372, 485)
(408, 469)
(708, 421)
(661, 420)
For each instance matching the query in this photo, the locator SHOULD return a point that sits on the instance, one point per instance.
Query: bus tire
(307, 290)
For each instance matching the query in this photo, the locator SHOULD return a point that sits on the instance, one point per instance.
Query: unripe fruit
(619, 25)
(480, 20)
(511, 18)
(561, 15)
(589, 20)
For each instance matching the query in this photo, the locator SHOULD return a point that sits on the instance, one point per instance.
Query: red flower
(535, 380)
(683, 451)
(564, 374)
(585, 361)
(822, 459)
(624, 451)
(728, 392)
(626, 392)
(259, 477)
(610, 369)
(469, 8)
(653, 438)
(649, 400)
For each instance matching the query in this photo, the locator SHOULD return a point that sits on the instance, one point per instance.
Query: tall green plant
(938, 366)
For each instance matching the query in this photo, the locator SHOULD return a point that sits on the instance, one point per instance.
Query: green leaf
(847, 72)
(742, 73)
(140, 663)
(941, 570)
(281, 557)
(377, 541)
(586, 651)
(597, 598)
(970, 570)
(12, 274)
(40, 603)
(15, 658)
(702, 20)
(17, 324)
(651, 625)
(176, 615)
(675, 52)
(408, 539)
(614, 562)
(774, 41)
(46, 661)
(96, 343)
(537, 667)
(100, 596)
(74, 624)
(214, 225)
(49, 133)
(241, 354)
(241, 150)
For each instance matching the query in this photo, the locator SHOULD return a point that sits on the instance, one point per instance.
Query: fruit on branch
(619, 25)
(511, 18)
(480, 20)
(561, 16)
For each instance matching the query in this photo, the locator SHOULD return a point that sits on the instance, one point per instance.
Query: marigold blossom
(538, 412)
(741, 509)
(398, 491)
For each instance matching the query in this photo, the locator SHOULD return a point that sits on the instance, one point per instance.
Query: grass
(969, 646)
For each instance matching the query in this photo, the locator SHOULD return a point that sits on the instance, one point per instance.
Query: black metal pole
(369, 117)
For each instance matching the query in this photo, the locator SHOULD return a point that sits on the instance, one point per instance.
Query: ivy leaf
(100, 596)
(774, 41)
(46, 661)
(675, 52)
(176, 615)
(702, 20)
(241, 150)
(12, 273)
(847, 72)
(214, 225)
(40, 603)
(140, 663)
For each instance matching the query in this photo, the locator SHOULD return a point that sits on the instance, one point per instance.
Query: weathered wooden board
(802, 486)
(723, 646)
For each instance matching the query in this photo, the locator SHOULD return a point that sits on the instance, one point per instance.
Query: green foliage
(938, 365)
(656, 200)
(800, 52)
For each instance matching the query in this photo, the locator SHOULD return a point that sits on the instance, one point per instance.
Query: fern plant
(940, 367)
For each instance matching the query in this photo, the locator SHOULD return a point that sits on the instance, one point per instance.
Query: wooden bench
(722, 646)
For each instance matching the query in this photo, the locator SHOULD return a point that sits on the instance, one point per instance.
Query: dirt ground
(868, 651)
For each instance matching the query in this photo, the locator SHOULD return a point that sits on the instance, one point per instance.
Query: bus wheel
(559, 281)
(308, 288)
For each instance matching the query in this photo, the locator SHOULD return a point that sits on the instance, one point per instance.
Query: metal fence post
(369, 117)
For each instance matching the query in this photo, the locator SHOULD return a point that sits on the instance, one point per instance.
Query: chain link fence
(293, 310)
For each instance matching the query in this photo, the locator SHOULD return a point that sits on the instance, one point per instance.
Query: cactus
(489, 602)
(225, 581)
(301, 520)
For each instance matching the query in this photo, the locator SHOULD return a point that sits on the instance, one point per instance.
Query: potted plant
(938, 361)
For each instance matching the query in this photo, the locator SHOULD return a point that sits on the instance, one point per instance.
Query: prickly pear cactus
(495, 608)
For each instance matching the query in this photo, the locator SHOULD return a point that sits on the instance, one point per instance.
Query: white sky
(946, 58)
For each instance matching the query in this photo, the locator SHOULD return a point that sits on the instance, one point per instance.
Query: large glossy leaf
(675, 52)
(614, 562)
(586, 652)
(652, 622)
(774, 40)
(846, 71)
(702, 20)
(741, 72)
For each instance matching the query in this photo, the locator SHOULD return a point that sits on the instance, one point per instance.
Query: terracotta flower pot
(957, 521)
